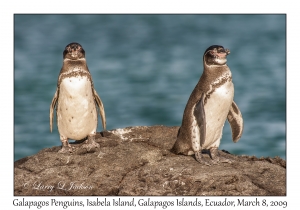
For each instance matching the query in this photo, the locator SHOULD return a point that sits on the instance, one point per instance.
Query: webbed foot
(200, 159)
(216, 158)
(90, 143)
(66, 147)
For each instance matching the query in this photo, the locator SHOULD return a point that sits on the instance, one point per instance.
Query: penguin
(207, 109)
(76, 101)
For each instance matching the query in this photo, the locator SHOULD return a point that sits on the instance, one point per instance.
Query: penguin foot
(199, 158)
(90, 143)
(215, 161)
(216, 158)
(225, 160)
(66, 147)
(65, 150)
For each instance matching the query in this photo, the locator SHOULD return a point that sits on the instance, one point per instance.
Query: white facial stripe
(220, 61)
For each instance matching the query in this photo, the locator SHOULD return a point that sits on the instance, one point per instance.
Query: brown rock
(138, 161)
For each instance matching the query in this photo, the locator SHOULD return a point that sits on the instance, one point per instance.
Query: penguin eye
(214, 52)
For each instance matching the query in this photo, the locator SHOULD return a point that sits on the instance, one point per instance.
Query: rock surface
(137, 161)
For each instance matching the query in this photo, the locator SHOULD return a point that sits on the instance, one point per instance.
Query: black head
(215, 55)
(74, 51)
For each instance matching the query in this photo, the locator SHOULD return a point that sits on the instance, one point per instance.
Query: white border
(8, 9)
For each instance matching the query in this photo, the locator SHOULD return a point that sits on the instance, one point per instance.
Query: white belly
(216, 111)
(76, 110)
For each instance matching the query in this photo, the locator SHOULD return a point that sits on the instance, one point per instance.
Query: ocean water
(144, 68)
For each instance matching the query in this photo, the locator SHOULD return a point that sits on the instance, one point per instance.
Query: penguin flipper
(101, 108)
(235, 120)
(199, 114)
(52, 107)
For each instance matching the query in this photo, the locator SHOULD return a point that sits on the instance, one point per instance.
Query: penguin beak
(74, 53)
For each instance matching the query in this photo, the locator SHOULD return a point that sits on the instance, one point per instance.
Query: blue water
(145, 67)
